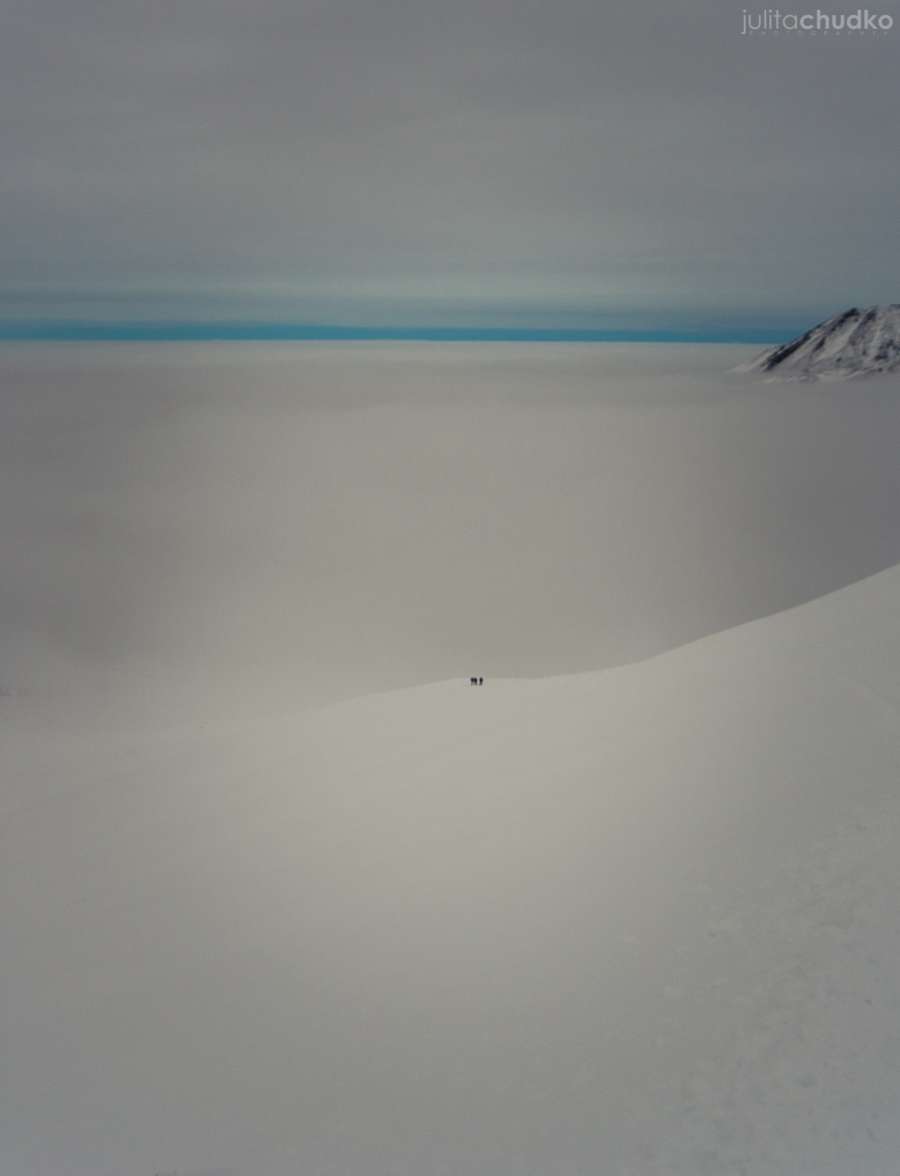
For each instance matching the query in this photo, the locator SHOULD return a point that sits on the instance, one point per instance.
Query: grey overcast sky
(572, 163)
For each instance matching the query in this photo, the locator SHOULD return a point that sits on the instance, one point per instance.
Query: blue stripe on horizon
(202, 332)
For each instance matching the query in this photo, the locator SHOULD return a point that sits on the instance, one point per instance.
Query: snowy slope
(637, 921)
(380, 517)
(852, 343)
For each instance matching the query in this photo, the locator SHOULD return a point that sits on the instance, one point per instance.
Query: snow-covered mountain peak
(852, 343)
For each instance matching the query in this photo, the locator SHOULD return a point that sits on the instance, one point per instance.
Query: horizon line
(207, 331)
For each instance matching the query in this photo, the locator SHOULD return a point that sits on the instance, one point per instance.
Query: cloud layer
(441, 162)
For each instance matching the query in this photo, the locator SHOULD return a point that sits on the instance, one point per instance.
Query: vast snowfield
(281, 893)
(233, 526)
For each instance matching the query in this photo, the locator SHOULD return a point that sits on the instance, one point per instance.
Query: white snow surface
(642, 920)
(852, 343)
(212, 529)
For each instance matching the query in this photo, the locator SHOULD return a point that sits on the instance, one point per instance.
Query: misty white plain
(281, 893)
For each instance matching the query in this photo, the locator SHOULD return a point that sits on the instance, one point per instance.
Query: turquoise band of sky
(49, 331)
